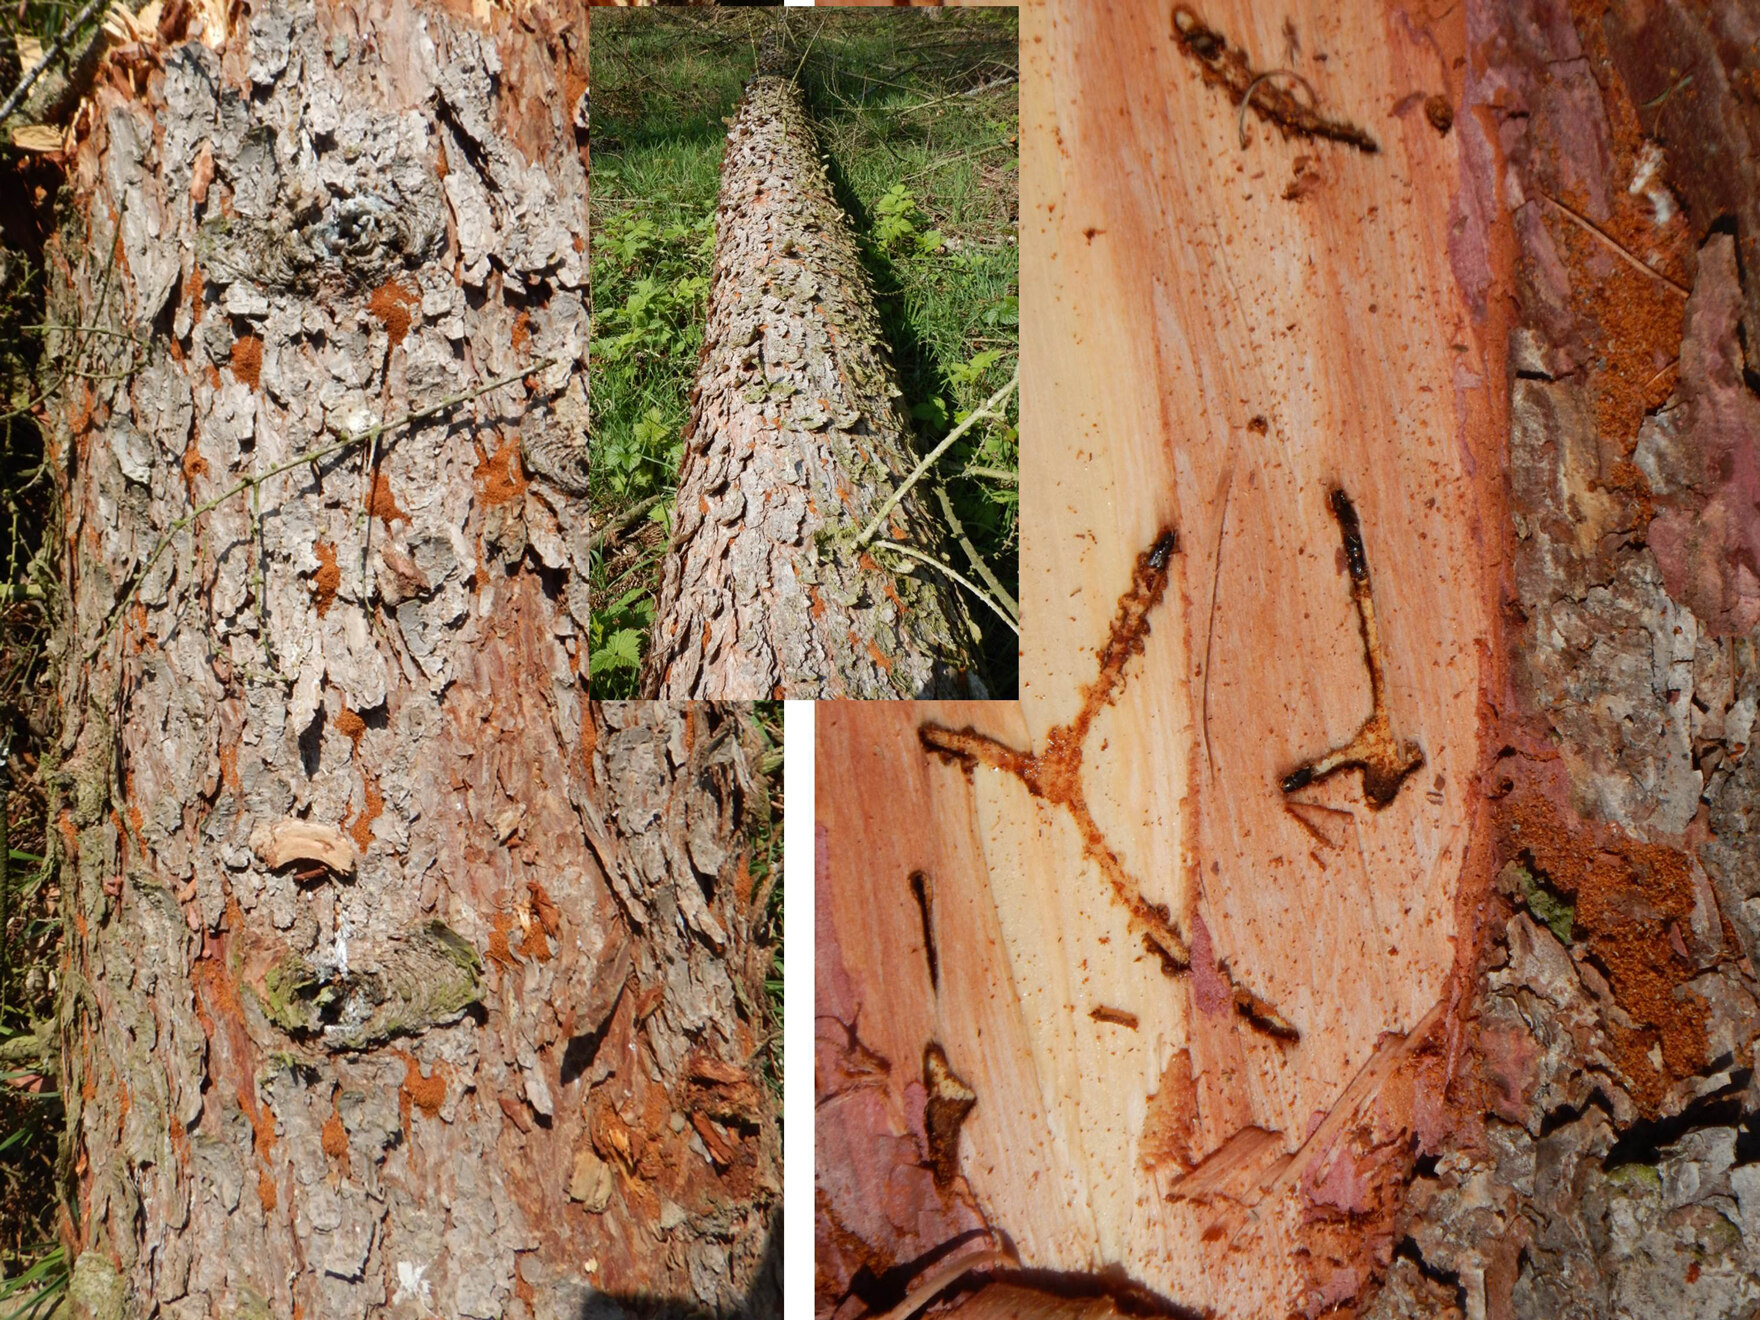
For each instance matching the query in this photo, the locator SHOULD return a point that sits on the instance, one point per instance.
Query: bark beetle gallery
(401, 979)
(1433, 335)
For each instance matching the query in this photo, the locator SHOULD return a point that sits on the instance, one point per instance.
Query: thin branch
(995, 474)
(73, 373)
(986, 409)
(950, 96)
(1615, 247)
(974, 558)
(945, 161)
(55, 50)
(936, 1280)
(809, 50)
(933, 562)
(614, 529)
(349, 441)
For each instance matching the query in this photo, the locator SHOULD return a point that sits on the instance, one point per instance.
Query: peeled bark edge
(1608, 1007)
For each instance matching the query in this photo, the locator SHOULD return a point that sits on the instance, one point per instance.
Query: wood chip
(37, 137)
(293, 840)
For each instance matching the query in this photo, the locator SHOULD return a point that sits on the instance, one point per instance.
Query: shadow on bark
(920, 373)
(763, 1299)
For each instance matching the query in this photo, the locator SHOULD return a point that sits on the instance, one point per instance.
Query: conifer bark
(1597, 1160)
(402, 980)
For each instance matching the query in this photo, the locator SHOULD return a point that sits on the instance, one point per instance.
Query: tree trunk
(795, 443)
(402, 980)
(1416, 683)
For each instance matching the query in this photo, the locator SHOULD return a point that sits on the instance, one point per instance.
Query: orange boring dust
(499, 475)
(247, 360)
(1055, 776)
(418, 1092)
(381, 503)
(390, 304)
(327, 579)
(372, 805)
(351, 726)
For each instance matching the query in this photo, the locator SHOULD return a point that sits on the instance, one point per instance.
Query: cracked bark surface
(796, 440)
(474, 1036)
(1601, 1159)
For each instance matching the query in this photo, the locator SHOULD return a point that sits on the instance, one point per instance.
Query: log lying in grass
(796, 441)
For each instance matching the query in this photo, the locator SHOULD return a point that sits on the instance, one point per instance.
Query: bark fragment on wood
(796, 439)
(294, 840)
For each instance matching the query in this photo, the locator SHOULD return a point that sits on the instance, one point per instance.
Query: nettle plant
(895, 222)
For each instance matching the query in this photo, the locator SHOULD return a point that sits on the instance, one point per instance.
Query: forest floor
(917, 111)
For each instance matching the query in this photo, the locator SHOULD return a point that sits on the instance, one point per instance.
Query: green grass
(765, 868)
(918, 115)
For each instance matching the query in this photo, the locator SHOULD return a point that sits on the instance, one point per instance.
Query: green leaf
(627, 599)
(965, 373)
(896, 200)
(622, 651)
(933, 411)
(652, 429)
(1006, 312)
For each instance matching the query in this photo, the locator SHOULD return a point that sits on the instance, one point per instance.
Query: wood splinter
(1118, 1017)
(1384, 760)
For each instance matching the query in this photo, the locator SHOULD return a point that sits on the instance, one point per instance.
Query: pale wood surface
(1172, 294)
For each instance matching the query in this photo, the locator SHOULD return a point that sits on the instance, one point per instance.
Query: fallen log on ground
(796, 442)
